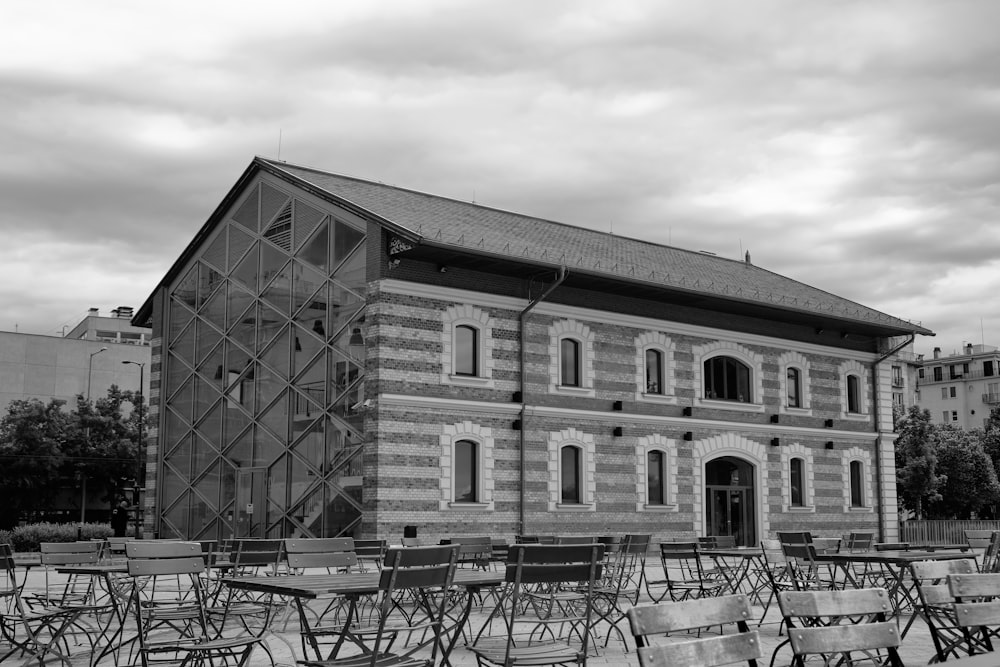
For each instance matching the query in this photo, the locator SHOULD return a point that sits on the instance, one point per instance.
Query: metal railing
(947, 531)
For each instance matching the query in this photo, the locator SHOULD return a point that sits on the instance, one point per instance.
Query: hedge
(27, 538)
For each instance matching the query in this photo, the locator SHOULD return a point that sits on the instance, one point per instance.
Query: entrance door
(251, 499)
(730, 500)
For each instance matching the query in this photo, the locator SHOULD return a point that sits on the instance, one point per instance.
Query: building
(962, 388)
(117, 328)
(338, 356)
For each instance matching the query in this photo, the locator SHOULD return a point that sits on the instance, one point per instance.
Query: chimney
(124, 312)
(92, 312)
(747, 259)
(937, 352)
(968, 348)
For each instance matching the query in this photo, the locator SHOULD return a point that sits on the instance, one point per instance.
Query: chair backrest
(328, 553)
(636, 543)
(984, 591)
(859, 542)
(991, 557)
(575, 539)
(865, 628)
(546, 563)
(254, 555)
(826, 545)
(656, 619)
(154, 558)
(681, 561)
(369, 548)
(978, 540)
(70, 553)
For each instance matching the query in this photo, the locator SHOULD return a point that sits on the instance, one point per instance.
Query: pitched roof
(473, 228)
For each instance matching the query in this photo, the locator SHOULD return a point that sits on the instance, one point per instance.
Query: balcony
(897, 382)
(991, 399)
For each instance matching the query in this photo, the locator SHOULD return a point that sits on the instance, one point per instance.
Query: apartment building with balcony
(961, 388)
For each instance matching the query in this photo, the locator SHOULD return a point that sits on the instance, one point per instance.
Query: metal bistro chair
(622, 582)
(684, 577)
(656, 619)
(543, 626)
(977, 611)
(937, 608)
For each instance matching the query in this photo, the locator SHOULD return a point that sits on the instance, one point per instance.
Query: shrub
(5, 536)
(27, 538)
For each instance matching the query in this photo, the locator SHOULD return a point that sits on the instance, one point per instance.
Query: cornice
(482, 299)
(436, 405)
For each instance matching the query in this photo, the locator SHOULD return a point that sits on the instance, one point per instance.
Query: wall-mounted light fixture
(829, 444)
(617, 406)
(516, 397)
(775, 442)
(775, 419)
(828, 423)
(688, 436)
(688, 411)
(516, 425)
(617, 431)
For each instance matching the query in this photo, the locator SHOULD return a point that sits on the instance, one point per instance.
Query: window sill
(573, 507)
(657, 508)
(663, 399)
(468, 507)
(801, 412)
(800, 509)
(736, 406)
(571, 391)
(855, 416)
(468, 381)
(863, 510)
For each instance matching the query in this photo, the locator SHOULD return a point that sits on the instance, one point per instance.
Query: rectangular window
(897, 399)
(988, 368)
(938, 374)
(570, 475)
(466, 351)
(946, 416)
(953, 372)
(920, 373)
(954, 415)
(897, 376)
(853, 394)
(466, 471)
(792, 382)
(857, 495)
(944, 392)
(654, 372)
(795, 480)
(569, 366)
(654, 478)
(952, 392)
(965, 368)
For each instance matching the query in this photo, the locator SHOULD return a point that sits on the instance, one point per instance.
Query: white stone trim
(797, 451)
(654, 340)
(858, 454)
(588, 492)
(668, 446)
(731, 444)
(468, 315)
(792, 359)
(581, 333)
(755, 361)
(483, 436)
(852, 367)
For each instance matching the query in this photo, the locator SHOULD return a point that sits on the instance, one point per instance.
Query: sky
(851, 145)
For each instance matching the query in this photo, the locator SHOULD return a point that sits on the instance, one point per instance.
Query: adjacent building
(334, 356)
(962, 388)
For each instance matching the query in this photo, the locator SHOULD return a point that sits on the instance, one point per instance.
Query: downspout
(524, 391)
(878, 434)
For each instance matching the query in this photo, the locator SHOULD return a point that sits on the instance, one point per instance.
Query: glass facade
(262, 386)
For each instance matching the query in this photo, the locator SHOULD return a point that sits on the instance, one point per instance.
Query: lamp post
(139, 447)
(83, 476)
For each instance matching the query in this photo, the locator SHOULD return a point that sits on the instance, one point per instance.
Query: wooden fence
(941, 532)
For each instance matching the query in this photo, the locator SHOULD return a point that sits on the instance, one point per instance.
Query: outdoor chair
(59, 590)
(843, 626)
(977, 611)
(370, 554)
(859, 542)
(991, 557)
(168, 605)
(658, 619)
(575, 539)
(979, 542)
(717, 542)
(804, 572)
(937, 605)
(473, 551)
(622, 582)
(684, 576)
(32, 635)
(892, 546)
(546, 607)
(420, 574)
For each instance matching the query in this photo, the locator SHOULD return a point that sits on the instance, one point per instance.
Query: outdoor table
(739, 566)
(107, 575)
(896, 568)
(311, 586)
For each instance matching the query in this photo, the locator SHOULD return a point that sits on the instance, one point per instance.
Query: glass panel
(175, 519)
(266, 448)
(569, 362)
(209, 530)
(305, 283)
(466, 350)
(215, 253)
(179, 318)
(211, 427)
(215, 309)
(183, 401)
(570, 475)
(246, 215)
(183, 345)
(344, 306)
(277, 492)
(180, 458)
(795, 481)
(303, 410)
(852, 393)
(309, 443)
(240, 389)
(277, 356)
(239, 241)
(351, 274)
(240, 306)
(310, 511)
(341, 515)
(206, 394)
(654, 372)
(177, 373)
(208, 485)
(345, 239)
(466, 471)
(203, 456)
(312, 382)
(315, 251)
(654, 478)
(228, 490)
(206, 341)
(187, 289)
(270, 324)
(246, 271)
(306, 220)
(278, 293)
(279, 232)
(211, 368)
(174, 428)
(302, 478)
(343, 372)
(792, 383)
(241, 452)
(273, 267)
(244, 331)
(208, 281)
(271, 201)
(312, 317)
(275, 417)
(857, 497)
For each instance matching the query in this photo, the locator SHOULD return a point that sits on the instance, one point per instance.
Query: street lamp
(138, 450)
(90, 368)
(83, 476)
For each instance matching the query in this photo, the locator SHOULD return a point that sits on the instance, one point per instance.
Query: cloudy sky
(851, 145)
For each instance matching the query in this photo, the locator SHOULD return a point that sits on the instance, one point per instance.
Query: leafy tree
(917, 477)
(971, 482)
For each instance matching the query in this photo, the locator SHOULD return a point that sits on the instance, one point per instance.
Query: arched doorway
(730, 500)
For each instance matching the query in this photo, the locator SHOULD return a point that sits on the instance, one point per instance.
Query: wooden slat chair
(843, 626)
(804, 571)
(979, 542)
(541, 625)
(254, 612)
(62, 591)
(937, 604)
(168, 605)
(684, 576)
(370, 554)
(658, 619)
(774, 575)
(422, 574)
(575, 539)
(622, 582)
(32, 635)
(977, 611)
(991, 557)
(473, 550)
(892, 546)
(856, 543)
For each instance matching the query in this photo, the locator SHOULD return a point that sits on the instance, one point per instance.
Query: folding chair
(546, 608)
(424, 575)
(937, 604)
(473, 551)
(369, 553)
(329, 555)
(622, 582)
(977, 610)
(62, 591)
(800, 560)
(684, 576)
(978, 541)
(655, 619)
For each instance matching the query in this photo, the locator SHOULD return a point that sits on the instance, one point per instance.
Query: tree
(971, 480)
(917, 478)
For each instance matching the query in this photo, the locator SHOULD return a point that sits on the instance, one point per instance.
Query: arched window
(853, 394)
(793, 387)
(796, 478)
(656, 478)
(569, 362)
(654, 372)
(857, 484)
(727, 379)
(466, 350)
(466, 471)
(570, 475)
